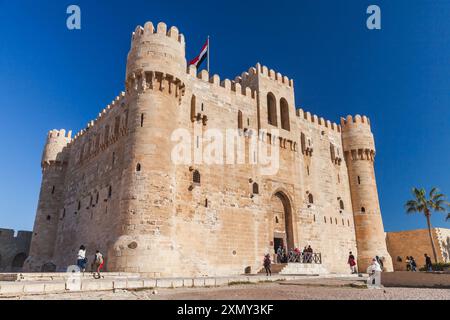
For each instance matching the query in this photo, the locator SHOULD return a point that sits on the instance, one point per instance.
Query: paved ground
(308, 289)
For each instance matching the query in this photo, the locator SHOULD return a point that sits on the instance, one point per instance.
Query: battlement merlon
(53, 153)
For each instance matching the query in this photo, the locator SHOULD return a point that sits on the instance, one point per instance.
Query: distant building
(14, 249)
(416, 243)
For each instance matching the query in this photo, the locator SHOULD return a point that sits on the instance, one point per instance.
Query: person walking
(81, 258)
(99, 262)
(413, 264)
(428, 263)
(408, 263)
(352, 262)
(373, 270)
(267, 264)
(380, 262)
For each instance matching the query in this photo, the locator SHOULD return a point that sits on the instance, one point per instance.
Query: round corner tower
(155, 84)
(359, 151)
(54, 161)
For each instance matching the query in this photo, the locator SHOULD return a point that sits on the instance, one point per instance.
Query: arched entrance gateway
(281, 221)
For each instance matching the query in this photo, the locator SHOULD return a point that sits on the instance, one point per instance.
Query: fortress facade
(115, 187)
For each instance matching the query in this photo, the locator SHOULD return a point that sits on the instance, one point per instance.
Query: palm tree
(422, 204)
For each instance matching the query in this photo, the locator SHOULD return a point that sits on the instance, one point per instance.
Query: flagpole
(208, 54)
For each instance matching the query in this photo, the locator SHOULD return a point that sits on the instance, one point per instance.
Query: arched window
(96, 198)
(359, 180)
(240, 121)
(138, 167)
(49, 218)
(142, 120)
(277, 220)
(284, 114)
(53, 189)
(196, 177)
(363, 210)
(271, 109)
(79, 205)
(341, 204)
(310, 198)
(255, 188)
(193, 103)
(110, 192)
(18, 261)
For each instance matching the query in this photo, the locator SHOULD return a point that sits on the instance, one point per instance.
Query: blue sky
(399, 76)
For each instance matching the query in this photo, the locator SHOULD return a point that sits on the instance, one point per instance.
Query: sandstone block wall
(416, 243)
(14, 249)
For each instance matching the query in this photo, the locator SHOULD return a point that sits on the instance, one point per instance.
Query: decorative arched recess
(272, 109)
(289, 218)
(284, 115)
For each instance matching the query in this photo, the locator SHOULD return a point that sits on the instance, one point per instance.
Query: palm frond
(433, 191)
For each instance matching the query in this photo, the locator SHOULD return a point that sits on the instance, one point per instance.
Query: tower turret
(155, 84)
(50, 201)
(359, 151)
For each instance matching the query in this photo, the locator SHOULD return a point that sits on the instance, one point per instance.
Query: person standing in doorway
(428, 263)
(352, 262)
(279, 254)
(81, 258)
(267, 264)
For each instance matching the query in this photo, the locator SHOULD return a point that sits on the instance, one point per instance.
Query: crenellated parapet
(229, 86)
(272, 74)
(357, 138)
(53, 154)
(320, 122)
(156, 60)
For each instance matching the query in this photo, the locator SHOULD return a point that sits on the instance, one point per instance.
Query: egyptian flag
(197, 61)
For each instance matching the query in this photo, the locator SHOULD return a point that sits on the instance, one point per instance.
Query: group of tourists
(411, 264)
(295, 255)
(97, 264)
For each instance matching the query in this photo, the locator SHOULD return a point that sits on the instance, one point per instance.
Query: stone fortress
(113, 186)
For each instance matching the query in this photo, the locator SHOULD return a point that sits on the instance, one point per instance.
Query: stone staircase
(304, 269)
(276, 268)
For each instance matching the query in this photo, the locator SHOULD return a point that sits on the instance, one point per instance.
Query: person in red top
(352, 262)
(99, 263)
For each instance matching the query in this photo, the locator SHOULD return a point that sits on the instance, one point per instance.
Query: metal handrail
(305, 257)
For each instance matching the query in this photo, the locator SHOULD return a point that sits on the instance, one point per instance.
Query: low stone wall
(127, 282)
(415, 279)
